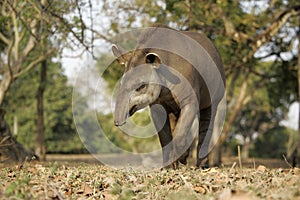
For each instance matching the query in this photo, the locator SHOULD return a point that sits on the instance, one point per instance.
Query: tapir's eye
(141, 87)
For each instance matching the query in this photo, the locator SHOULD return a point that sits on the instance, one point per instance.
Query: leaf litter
(92, 181)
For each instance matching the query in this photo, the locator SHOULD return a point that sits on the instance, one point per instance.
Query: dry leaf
(210, 170)
(296, 171)
(51, 194)
(294, 180)
(232, 169)
(11, 174)
(68, 192)
(32, 170)
(228, 194)
(19, 167)
(85, 190)
(199, 189)
(224, 195)
(261, 168)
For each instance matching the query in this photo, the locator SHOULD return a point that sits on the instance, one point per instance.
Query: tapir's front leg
(162, 125)
(182, 139)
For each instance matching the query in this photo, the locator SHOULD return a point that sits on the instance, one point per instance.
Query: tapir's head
(140, 85)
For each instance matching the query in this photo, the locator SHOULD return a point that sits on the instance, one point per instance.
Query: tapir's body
(168, 78)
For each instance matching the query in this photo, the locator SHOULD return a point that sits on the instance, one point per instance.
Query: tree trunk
(241, 100)
(4, 86)
(298, 143)
(40, 149)
(15, 130)
(10, 149)
(245, 149)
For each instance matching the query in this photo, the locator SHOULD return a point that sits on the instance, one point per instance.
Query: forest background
(41, 42)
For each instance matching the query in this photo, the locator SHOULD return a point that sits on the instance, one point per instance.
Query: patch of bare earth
(93, 181)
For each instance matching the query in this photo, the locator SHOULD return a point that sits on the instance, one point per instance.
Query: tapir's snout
(122, 114)
(121, 109)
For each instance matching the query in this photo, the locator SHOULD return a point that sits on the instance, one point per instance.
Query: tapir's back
(206, 43)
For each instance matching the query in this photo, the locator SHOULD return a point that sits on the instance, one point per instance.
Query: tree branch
(34, 63)
(8, 65)
(31, 42)
(17, 36)
(264, 37)
(4, 39)
(21, 19)
(230, 30)
(272, 30)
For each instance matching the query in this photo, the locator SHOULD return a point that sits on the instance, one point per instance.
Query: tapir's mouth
(121, 121)
(132, 110)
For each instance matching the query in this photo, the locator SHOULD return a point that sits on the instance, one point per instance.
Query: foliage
(272, 144)
(30, 33)
(60, 133)
(90, 135)
(282, 87)
(111, 73)
(125, 141)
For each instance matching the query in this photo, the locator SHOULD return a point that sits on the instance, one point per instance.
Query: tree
(269, 104)
(60, 133)
(25, 25)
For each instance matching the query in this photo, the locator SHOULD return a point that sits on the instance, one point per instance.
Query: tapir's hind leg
(205, 118)
(162, 125)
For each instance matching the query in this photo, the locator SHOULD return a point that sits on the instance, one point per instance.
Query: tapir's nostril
(119, 124)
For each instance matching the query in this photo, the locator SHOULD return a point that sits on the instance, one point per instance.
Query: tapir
(180, 76)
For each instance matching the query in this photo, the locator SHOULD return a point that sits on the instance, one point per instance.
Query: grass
(91, 181)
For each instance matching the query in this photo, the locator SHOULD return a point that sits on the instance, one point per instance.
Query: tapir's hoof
(167, 167)
(183, 161)
(175, 165)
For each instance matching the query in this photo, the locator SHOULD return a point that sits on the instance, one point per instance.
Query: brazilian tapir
(180, 75)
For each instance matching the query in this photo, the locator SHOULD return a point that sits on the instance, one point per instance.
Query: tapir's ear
(153, 58)
(116, 51)
(119, 54)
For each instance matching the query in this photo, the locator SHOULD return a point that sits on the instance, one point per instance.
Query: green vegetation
(123, 140)
(274, 143)
(60, 132)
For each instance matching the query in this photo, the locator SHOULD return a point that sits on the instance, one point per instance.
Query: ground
(90, 180)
